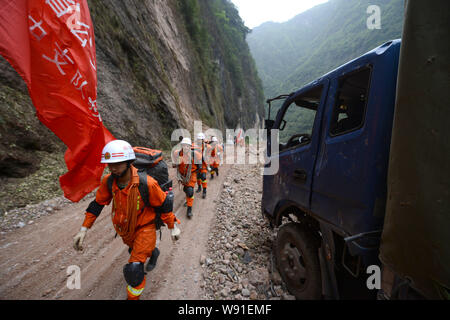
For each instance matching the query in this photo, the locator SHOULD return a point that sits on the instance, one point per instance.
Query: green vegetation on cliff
(219, 36)
(291, 54)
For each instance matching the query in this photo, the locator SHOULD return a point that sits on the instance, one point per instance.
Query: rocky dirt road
(223, 253)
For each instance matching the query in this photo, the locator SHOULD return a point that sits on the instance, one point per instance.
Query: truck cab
(328, 197)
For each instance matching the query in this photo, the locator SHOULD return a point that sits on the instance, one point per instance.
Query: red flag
(51, 45)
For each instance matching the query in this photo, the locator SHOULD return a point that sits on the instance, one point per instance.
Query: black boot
(199, 188)
(212, 176)
(204, 194)
(152, 261)
(217, 171)
(189, 212)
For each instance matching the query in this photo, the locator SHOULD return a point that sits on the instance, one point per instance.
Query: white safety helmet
(201, 136)
(186, 141)
(117, 151)
(214, 139)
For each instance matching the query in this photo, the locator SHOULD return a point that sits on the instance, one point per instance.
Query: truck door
(341, 192)
(299, 123)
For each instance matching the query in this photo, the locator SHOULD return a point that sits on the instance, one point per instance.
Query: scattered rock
(245, 292)
(246, 258)
(243, 246)
(258, 276)
(225, 292)
(240, 251)
(239, 246)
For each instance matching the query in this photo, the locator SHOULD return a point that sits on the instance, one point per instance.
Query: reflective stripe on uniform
(133, 291)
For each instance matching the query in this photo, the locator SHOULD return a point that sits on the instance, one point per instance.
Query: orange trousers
(134, 293)
(141, 248)
(190, 187)
(201, 180)
(189, 191)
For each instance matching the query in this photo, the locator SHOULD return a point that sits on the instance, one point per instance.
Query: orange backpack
(151, 162)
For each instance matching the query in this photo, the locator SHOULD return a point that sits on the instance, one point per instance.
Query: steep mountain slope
(291, 54)
(161, 65)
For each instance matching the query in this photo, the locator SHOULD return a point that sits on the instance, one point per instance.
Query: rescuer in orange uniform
(134, 222)
(188, 162)
(214, 156)
(201, 174)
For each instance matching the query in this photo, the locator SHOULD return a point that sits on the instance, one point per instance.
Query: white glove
(209, 169)
(175, 232)
(79, 238)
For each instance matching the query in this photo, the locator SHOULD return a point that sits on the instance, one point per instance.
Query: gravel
(19, 217)
(238, 264)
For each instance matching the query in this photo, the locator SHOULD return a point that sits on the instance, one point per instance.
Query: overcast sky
(255, 12)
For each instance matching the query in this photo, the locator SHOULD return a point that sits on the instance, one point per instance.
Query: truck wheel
(298, 262)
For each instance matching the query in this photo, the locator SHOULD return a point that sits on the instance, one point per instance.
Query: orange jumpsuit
(213, 157)
(143, 240)
(183, 166)
(201, 174)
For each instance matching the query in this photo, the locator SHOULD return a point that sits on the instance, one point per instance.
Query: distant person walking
(214, 156)
(201, 146)
(186, 161)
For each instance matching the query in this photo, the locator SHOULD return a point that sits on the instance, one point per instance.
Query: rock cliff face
(155, 75)
(161, 65)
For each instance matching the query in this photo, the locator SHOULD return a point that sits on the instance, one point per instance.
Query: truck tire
(296, 254)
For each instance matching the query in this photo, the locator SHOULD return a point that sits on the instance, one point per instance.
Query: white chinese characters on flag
(51, 45)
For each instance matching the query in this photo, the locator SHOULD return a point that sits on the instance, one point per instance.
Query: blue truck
(361, 198)
(328, 197)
